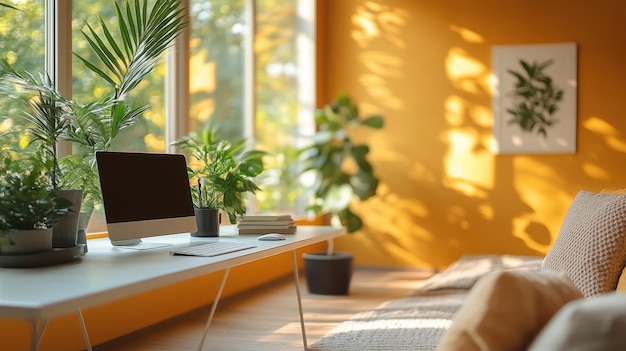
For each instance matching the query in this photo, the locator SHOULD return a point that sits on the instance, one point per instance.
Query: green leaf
(227, 170)
(535, 97)
(374, 121)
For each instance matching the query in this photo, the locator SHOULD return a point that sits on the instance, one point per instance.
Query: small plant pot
(18, 242)
(328, 274)
(83, 222)
(208, 221)
(65, 232)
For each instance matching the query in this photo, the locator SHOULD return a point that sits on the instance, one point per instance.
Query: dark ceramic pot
(65, 232)
(208, 220)
(328, 274)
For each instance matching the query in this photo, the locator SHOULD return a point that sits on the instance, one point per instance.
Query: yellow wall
(425, 66)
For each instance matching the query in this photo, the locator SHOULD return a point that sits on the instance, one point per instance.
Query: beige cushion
(464, 272)
(505, 310)
(591, 245)
(621, 283)
(596, 323)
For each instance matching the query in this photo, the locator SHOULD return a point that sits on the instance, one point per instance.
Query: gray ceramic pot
(208, 220)
(65, 232)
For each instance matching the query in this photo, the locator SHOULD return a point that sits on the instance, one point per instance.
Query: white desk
(108, 273)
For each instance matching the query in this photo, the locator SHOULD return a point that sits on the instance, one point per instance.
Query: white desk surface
(106, 273)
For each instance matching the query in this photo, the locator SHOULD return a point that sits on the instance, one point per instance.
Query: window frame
(58, 27)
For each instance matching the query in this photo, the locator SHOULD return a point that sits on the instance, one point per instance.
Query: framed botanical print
(534, 98)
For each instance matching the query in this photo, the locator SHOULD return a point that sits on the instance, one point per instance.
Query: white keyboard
(211, 249)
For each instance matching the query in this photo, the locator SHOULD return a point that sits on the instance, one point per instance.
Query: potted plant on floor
(29, 206)
(342, 175)
(222, 174)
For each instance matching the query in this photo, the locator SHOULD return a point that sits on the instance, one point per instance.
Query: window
(24, 47)
(251, 69)
(216, 65)
(284, 72)
(277, 80)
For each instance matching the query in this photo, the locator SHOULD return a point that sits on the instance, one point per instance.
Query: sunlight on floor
(404, 323)
(267, 318)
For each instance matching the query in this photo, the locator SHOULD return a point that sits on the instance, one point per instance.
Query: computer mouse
(271, 237)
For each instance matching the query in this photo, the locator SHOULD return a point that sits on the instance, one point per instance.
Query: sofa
(570, 299)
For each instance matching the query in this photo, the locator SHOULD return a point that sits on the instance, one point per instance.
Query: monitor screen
(144, 194)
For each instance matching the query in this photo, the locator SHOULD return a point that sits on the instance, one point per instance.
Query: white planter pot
(26, 241)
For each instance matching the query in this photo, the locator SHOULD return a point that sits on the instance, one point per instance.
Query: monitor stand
(138, 244)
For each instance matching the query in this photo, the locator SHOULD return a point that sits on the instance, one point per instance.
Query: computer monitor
(144, 195)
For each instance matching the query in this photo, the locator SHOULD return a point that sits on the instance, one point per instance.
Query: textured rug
(418, 322)
(412, 323)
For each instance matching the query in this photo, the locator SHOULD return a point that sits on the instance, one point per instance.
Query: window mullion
(58, 28)
(177, 86)
(249, 80)
(249, 69)
(306, 48)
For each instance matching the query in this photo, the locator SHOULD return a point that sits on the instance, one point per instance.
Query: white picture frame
(511, 133)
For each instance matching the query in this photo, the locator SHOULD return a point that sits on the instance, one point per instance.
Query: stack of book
(263, 224)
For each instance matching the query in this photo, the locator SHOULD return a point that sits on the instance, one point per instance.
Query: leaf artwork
(535, 98)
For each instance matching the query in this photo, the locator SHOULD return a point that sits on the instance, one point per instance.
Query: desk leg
(213, 308)
(297, 278)
(37, 331)
(83, 329)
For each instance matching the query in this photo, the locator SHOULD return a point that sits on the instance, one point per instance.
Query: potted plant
(222, 173)
(29, 206)
(46, 113)
(340, 166)
(342, 175)
(145, 34)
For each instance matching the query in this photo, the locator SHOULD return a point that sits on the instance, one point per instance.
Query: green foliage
(224, 171)
(145, 33)
(27, 198)
(217, 45)
(8, 6)
(79, 172)
(44, 111)
(217, 40)
(340, 166)
(23, 44)
(536, 98)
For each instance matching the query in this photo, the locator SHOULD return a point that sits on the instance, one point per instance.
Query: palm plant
(45, 110)
(8, 6)
(145, 34)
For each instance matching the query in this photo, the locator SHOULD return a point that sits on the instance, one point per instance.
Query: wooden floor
(267, 318)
